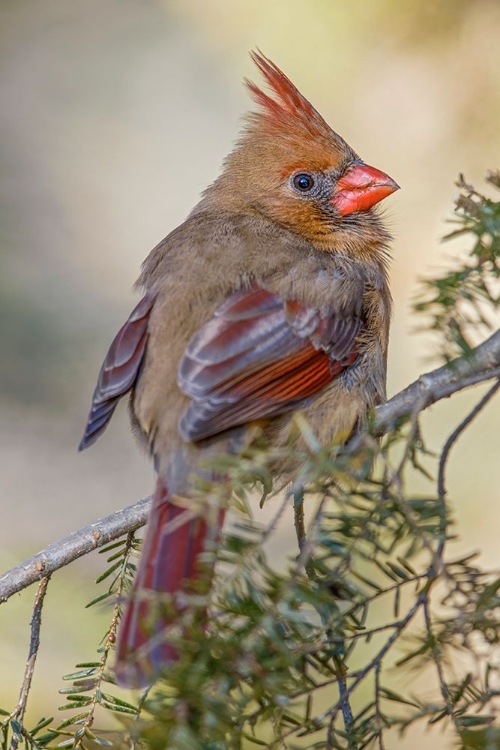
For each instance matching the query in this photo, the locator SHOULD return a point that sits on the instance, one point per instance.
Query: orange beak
(361, 188)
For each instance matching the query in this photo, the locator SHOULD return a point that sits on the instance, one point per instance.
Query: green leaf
(41, 725)
(72, 720)
(474, 721)
(108, 572)
(88, 672)
(17, 729)
(391, 695)
(102, 741)
(254, 740)
(118, 702)
(78, 701)
(100, 598)
(113, 545)
(119, 709)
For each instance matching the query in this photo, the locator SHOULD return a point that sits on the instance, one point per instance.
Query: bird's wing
(260, 356)
(119, 370)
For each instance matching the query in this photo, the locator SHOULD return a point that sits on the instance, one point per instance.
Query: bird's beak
(361, 188)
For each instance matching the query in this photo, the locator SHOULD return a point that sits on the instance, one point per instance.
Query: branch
(36, 621)
(81, 542)
(456, 434)
(338, 664)
(483, 364)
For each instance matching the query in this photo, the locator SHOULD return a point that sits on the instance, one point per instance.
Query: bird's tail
(175, 537)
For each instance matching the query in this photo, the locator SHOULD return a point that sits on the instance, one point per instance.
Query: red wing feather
(259, 357)
(119, 370)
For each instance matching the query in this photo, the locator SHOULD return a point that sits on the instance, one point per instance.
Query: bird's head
(290, 166)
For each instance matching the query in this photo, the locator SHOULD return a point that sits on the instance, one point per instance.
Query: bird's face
(318, 196)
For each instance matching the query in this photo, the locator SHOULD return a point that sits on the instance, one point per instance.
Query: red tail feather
(169, 559)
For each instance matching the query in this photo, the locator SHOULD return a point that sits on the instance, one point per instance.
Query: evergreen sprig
(460, 303)
(87, 692)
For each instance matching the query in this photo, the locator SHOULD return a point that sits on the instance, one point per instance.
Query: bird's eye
(303, 182)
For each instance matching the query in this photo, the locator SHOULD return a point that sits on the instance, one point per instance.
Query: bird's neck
(362, 238)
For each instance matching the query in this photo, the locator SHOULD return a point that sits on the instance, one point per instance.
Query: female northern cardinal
(272, 296)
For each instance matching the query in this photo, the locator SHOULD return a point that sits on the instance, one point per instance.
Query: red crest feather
(289, 109)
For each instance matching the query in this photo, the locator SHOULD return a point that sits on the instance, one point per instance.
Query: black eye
(303, 182)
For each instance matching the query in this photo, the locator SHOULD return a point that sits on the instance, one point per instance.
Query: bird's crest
(288, 109)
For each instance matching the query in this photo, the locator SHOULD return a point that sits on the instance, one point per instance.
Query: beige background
(114, 116)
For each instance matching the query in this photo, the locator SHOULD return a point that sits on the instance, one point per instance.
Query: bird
(273, 296)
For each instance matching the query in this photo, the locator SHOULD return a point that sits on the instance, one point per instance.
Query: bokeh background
(114, 115)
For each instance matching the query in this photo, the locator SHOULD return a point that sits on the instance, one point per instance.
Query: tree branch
(460, 373)
(81, 542)
(36, 622)
(456, 434)
(463, 372)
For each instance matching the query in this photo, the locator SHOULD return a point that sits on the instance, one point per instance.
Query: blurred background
(114, 115)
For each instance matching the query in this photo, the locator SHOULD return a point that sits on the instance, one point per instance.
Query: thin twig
(378, 711)
(456, 434)
(436, 655)
(449, 445)
(298, 516)
(36, 621)
(344, 705)
(360, 675)
(413, 433)
(305, 552)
